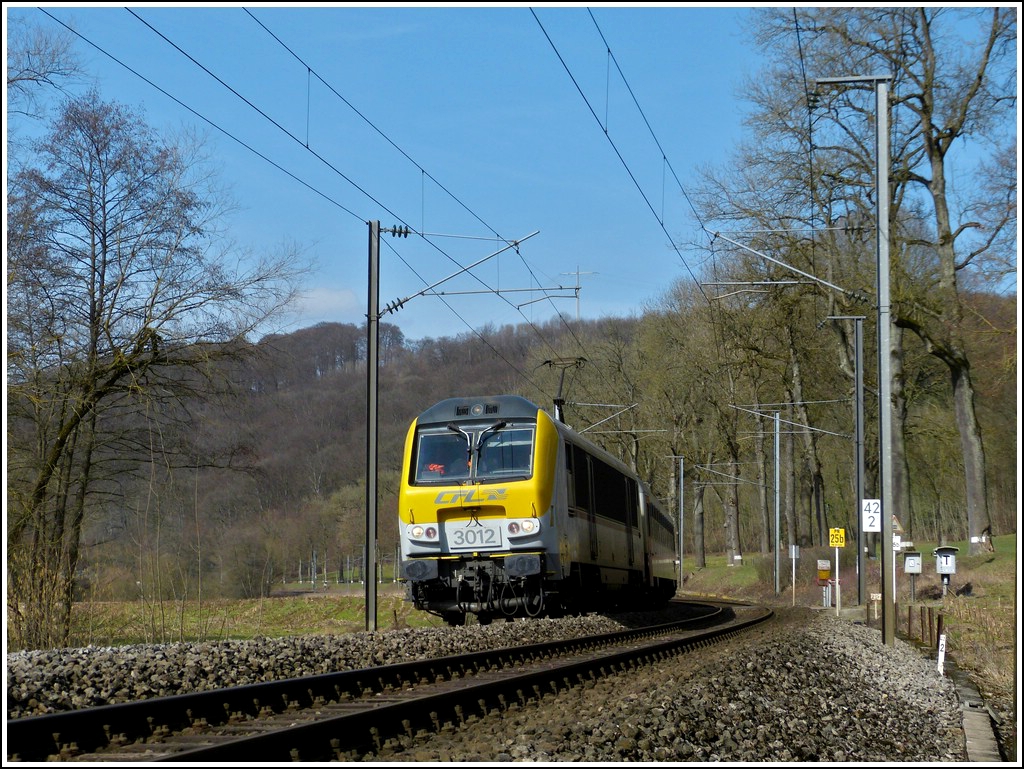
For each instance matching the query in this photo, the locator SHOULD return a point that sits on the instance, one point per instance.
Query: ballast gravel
(806, 687)
(809, 688)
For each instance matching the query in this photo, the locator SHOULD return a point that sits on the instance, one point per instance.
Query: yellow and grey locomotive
(506, 512)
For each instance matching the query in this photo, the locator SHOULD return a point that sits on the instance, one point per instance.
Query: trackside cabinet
(945, 564)
(825, 581)
(911, 562)
(912, 566)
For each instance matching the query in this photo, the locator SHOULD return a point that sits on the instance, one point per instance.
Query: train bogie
(505, 512)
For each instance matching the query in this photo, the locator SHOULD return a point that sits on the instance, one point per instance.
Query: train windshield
(505, 454)
(500, 453)
(442, 456)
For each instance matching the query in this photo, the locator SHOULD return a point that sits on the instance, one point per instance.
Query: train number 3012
(475, 536)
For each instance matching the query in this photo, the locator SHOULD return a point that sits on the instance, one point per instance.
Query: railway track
(340, 716)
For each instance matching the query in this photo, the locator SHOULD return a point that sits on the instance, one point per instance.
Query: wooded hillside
(283, 480)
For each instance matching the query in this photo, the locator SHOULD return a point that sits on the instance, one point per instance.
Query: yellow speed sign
(837, 537)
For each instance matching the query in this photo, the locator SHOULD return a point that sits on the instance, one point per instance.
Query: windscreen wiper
(480, 438)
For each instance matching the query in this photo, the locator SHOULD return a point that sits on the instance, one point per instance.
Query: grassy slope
(982, 623)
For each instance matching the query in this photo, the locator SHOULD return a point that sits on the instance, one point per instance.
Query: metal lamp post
(880, 83)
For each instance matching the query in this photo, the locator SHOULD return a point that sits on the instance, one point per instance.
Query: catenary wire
(262, 156)
(618, 154)
(423, 173)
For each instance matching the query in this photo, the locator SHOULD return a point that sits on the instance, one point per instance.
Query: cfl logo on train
(471, 495)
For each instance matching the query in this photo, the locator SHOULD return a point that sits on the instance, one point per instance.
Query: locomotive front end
(475, 501)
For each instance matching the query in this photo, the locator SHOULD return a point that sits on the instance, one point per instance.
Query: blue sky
(461, 122)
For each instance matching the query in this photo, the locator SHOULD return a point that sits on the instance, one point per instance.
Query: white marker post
(794, 553)
(897, 545)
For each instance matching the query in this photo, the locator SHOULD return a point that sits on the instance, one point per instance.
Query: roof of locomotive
(480, 407)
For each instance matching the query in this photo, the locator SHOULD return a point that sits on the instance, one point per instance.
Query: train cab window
(441, 457)
(506, 454)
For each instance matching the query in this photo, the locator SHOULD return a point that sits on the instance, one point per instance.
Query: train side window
(570, 480)
(610, 492)
(630, 502)
(581, 479)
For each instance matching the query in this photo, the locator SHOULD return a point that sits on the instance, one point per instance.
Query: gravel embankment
(808, 687)
(50, 681)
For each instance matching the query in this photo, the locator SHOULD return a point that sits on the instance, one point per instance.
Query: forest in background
(288, 489)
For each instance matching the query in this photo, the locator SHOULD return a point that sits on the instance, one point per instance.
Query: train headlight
(523, 528)
(423, 532)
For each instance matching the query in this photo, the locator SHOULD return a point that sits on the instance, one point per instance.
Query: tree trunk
(72, 539)
(698, 525)
(901, 505)
(732, 517)
(815, 478)
(762, 486)
(978, 521)
(790, 501)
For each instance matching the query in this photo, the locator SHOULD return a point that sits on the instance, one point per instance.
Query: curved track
(341, 715)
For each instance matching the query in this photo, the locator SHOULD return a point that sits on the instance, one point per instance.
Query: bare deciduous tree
(946, 91)
(119, 298)
(812, 166)
(37, 60)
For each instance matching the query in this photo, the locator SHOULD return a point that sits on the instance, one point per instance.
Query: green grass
(718, 579)
(299, 611)
(984, 620)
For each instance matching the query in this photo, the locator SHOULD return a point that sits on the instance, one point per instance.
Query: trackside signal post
(825, 581)
(912, 566)
(945, 564)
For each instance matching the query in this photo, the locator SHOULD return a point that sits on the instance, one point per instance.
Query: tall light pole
(884, 330)
(372, 347)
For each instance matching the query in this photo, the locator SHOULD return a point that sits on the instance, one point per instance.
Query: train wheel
(484, 619)
(454, 618)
